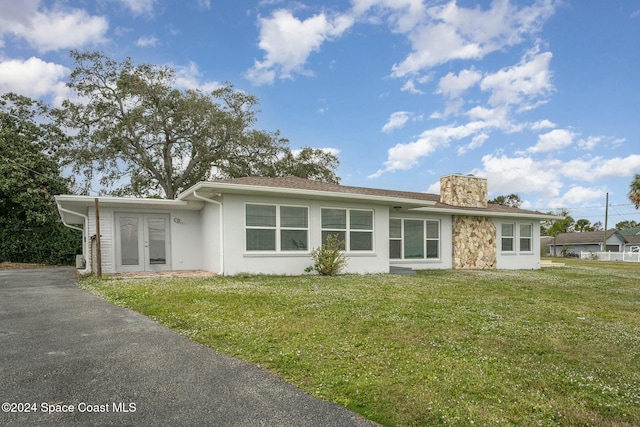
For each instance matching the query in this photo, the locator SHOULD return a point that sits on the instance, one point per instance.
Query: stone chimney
(466, 191)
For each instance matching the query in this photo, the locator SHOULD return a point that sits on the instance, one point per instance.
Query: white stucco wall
(238, 260)
(518, 260)
(186, 240)
(185, 237)
(211, 238)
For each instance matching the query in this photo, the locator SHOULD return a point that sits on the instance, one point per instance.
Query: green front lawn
(554, 347)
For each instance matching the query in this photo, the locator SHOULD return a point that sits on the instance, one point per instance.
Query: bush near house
(552, 347)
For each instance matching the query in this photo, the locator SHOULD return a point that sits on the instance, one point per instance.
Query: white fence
(612, 256)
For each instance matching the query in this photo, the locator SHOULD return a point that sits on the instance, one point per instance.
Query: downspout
(85, 239)
(197, 196)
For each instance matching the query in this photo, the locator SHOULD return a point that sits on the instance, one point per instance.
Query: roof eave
(218, 187)
(493, 214)
(109, 201)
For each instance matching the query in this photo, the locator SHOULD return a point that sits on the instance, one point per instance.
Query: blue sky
(541, 97)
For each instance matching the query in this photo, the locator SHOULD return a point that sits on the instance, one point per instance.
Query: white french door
(142, 242)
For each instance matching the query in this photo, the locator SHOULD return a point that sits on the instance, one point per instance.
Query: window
(353, 226)
(526, 237)
(276, 228)
(414, 239)
(395, 238)
(507, 238)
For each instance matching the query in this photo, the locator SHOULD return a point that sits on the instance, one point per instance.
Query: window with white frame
(414, 239)
(352, 226)
(276, 228)
(507, 238)
(526, 237)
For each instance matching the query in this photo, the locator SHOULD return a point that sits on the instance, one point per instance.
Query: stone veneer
(474, 237)
(464, 190)
(474, 242)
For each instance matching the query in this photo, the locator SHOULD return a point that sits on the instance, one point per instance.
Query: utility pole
(606, 220)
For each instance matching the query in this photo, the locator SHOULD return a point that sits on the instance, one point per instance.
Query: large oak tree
(137, 132)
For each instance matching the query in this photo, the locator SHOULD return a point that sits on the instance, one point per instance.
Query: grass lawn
(553, 347)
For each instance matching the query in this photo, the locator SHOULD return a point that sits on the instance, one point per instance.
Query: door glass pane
(413, 239)
(157, 241)
(129, 241)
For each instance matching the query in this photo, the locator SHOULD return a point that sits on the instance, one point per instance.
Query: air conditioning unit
(81, 263)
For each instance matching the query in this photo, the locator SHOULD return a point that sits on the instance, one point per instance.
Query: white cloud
(526, 81)
(451, 32)
(410, 86)
(288, 42)
(547, 178)
(204, 4)
(396, 121)
(542, 124)
(453, 85)
(578, 195)
(147, 41)
(557, 139)
(140, 7)
(520, 175)
(51, 29)
(590, 142)
(597, 168)
(405, 156)
(402, 15)
(34, 78)
(477, 142)
(188, 77)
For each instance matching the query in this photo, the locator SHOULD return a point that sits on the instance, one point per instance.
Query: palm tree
(634, 191)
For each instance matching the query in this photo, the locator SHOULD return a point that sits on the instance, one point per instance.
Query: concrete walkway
(64, 349)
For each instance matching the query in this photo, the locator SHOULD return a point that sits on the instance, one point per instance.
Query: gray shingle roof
(584, 238)
(305, 184)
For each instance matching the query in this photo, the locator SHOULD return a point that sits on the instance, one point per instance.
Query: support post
(98, 249)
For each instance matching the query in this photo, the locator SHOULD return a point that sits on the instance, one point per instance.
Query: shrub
(328, 259)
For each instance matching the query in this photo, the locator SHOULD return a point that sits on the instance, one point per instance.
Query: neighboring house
(545, 248)
(270, 225)
(588, 241)
(632, 236)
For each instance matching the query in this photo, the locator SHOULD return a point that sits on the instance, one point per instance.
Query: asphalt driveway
(68, 358)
